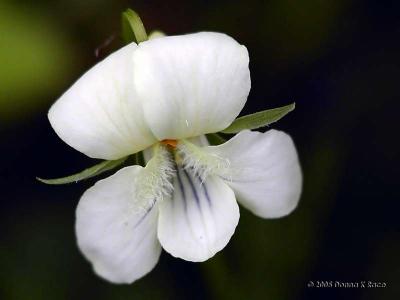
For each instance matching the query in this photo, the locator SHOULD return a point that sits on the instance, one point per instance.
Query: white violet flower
(161, 97)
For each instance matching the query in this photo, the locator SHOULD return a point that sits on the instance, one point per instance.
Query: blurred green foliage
(35, 59)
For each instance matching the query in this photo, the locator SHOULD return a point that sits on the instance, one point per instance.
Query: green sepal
(215, 139)
(132, 27)
(259, 119)
(87, 173)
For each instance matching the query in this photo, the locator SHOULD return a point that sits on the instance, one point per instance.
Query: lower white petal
(200, 218)
(117, 238)
(264, 171)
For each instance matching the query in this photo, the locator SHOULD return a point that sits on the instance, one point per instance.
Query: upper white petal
(100, 115)
(200, 218)
(117, 238)
(264, 171)
(191, 84)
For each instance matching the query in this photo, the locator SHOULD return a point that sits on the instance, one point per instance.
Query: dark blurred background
(337, 59)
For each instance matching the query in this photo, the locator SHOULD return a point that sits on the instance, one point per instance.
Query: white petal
(200, 218)
(200, 140)
(119, 240)
(265, 171)
(192, 84)
(100, 115)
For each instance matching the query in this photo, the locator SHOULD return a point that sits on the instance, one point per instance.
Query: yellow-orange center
(171, 143)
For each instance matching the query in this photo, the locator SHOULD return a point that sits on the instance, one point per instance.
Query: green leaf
(132, 27)
(87, 173)
(215, 139)
(259, 119)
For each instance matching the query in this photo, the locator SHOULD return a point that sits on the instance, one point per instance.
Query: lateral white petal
(200, 140)
(265, 171)
(118, 239)
(100, 115)
(200, 218)
(193, 84)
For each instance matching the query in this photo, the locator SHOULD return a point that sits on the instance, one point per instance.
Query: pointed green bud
(132, 27)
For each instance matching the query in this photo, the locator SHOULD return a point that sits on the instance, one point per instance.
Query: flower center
(169, 142)
(200, 161)
(156, 179)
